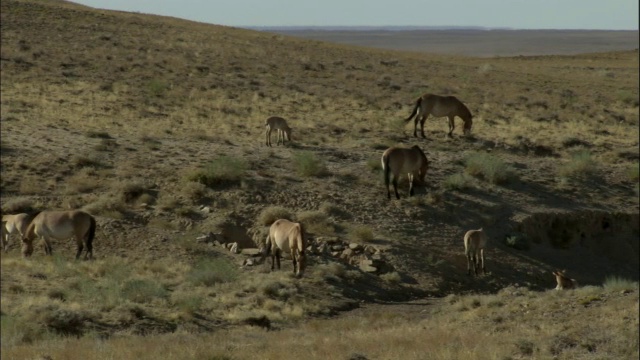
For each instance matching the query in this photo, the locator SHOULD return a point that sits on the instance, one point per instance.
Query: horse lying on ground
(61, 225)
(563, 281)
(287, 236)
(412, 162)
(474, 243)
(279, 124)
(438, 106)
(14, 224)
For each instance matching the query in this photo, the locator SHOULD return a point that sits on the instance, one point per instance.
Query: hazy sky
(520, 14)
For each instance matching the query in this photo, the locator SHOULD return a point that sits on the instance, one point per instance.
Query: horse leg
(411, 184)
(278, 258)
(268, 135)
(395, 186)
(48, 250)
(451, 125)
(415, 126)
(469, 260)
(295, 263)
(422, 121)
(482, 261)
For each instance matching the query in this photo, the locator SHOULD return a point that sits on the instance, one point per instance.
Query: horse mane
(420, 150)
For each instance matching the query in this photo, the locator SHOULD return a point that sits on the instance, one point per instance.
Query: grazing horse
(438, 106)
(61, 225)
(279, 124)
(287, 236)
(474, 243)
(398, 160)
(12, 224)
(563, 281)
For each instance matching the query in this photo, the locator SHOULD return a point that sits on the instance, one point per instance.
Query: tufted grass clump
(489, 168)
(308, 164)
(459, 181)
(272, 213)
(225, 170)
(208, 272)
(581, 165)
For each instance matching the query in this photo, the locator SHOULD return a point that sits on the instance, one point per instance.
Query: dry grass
(150, 110)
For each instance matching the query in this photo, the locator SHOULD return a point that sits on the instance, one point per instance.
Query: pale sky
(518, 14)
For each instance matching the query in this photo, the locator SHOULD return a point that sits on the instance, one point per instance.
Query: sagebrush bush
(210, 271)
(580, 165)
(272, 213)
(617, 283)
(360, 233)
(143, 290)
(225, 170)
(488, 167)
(308, 164)
(316, 222)
(458, 181)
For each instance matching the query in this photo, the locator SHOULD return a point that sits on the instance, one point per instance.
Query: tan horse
(12, 224)
(279, 124)
(474, 243)
(412, 162)
(61, 225)
(439, 106)
(287, 236)
(563, 281)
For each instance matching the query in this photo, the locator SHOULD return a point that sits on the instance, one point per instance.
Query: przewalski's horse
(563, 281)
(61, 225)
(474, 243)
(279, 124)
(397, 160)
(287, 236)
(14, 224)
(439, 106)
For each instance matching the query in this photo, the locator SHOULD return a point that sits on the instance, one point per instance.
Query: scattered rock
(251, 252)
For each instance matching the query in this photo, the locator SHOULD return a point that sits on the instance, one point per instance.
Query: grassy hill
(155, 125)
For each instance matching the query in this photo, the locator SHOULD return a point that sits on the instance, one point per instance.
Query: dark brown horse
(412, 162)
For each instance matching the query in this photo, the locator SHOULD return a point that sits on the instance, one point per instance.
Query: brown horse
(563, 281)
(438, 106)
(61, 225)
(14, 224)
(279, 124)
(287, 236)
(412, 162)
(474, 243)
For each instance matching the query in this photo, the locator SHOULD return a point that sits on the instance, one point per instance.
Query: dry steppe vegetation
(155, 125)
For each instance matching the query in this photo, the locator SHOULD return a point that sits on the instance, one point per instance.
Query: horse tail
(92, 232)
(414, 112)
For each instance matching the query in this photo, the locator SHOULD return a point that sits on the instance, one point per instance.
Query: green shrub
(517, 241)
(224, 170)
(616, 283)
(360, 233)
(209, 272)
(458, 181)
(270, 214)
(316, 222)
(307, 164)
(143, 291)
(489, 168)
(580, 165)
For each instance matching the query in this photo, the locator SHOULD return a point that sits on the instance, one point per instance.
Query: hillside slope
(117, 113)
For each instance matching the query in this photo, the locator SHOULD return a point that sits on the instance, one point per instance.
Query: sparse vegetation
(224, 170)
(308, 164)
(489, 168)
(108, 111)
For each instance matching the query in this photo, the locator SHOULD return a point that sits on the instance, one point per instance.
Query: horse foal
(474, 243)
(412, 162)
(287, 236)
(439, 106)
(12, 224)
(563, 281)
(279, 124)
(61, 225)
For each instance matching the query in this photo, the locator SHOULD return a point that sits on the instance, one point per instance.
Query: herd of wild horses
(284, 235)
